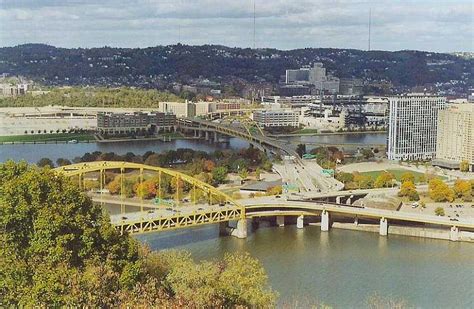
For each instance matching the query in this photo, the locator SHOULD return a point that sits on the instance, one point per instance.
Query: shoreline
(410, 231)
(326, 133)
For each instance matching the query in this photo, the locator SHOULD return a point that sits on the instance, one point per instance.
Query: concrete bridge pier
(454, 234)
(216, 137)
(241, 230)
(300, 222)
(349, 200)
(207, 135)
(325, 221)
(338, 199)
(280, 221)
(383, 230)
(224, 229)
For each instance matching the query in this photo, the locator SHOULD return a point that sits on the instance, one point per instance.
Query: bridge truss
(226, 210)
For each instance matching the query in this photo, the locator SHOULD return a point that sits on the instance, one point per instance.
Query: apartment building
(455, 136)
(413, 121)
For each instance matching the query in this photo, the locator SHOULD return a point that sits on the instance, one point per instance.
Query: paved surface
(456, 210)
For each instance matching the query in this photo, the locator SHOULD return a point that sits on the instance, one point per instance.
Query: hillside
(157, 67)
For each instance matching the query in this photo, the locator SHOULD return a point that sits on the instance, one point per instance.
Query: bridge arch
(79, 170)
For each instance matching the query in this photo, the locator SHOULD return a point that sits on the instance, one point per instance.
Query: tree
(344, 177)
(219, 175)
(462, 188)
(243, 174)
(362, 181)
(275, 190)
(301, 149)
(385, 179)
(367, 153)
(408, 189)
(464, 166)
(439, 191)
(59, 250)
(439, 211)
(43, 162)
(208, 165)
(62, 162)
(258, 173)
(49, 242)
(407, 176)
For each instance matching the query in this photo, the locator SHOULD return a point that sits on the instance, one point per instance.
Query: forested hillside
(156, 67)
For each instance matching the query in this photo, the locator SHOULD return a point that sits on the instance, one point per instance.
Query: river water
(33, 152)
(343, 268)
(339, 268)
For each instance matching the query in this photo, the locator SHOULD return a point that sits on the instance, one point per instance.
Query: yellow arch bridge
(204, 204)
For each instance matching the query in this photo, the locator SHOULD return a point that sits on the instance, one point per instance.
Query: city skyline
(433, 26)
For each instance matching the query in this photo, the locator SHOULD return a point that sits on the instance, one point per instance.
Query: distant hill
(160, 65)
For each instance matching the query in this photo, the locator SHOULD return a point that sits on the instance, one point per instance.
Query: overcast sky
(430, 25)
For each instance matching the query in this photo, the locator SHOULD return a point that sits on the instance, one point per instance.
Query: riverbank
(163, 138)
(411, 231)
(51, 138)
(325, 133)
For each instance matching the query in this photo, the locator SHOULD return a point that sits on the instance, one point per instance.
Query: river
(343, 268)
(33, 152)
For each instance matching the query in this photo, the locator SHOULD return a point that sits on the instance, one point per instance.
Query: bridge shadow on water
(178, 238)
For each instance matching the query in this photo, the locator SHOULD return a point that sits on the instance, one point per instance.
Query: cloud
(424, 24)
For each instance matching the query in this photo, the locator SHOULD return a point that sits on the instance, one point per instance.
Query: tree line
(93, 97)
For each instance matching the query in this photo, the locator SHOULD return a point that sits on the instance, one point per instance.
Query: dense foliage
(154, 66)
(58, 249)
(92, 97)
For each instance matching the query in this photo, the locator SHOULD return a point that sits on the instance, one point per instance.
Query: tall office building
(315, 75)
(413, 120)
(455, 138)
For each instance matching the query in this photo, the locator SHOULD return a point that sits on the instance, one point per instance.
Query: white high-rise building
(413, 120)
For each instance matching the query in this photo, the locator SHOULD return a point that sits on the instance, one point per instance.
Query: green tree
(258, 173)
(52, 232)
(219, 175)
(243, 174)
(60, 250)
(367, 153)
(43, 162)
(344, 177)
(62, 162)
(439, 211)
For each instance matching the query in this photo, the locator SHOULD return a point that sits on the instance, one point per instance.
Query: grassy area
(397, 173)
(47, 137)
(305, 131)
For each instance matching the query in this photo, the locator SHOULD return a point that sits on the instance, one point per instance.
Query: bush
(439, 211)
